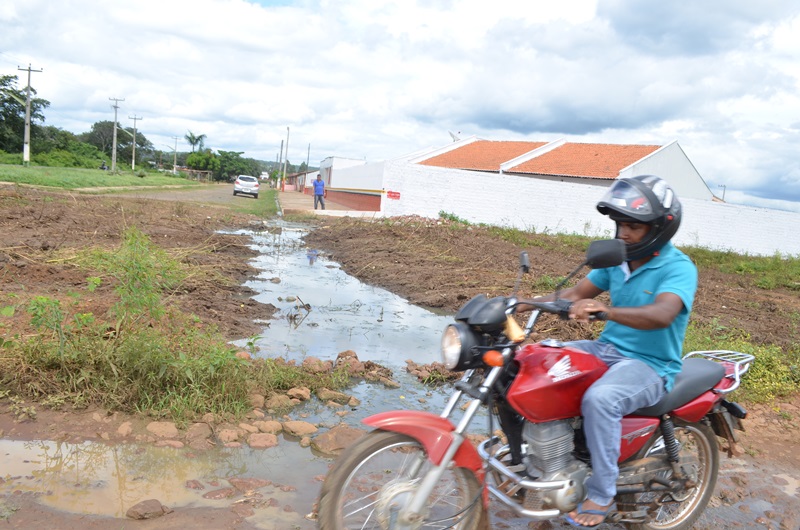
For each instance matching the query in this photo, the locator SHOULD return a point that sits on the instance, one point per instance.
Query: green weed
(142, 270)
(453, 218)
(7, 510)
(775, 373)
(545, 284)
(20, 410)
(93, 283)
(149, 358)
(763, 272)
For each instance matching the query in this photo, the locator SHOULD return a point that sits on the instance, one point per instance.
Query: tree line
(52, 146)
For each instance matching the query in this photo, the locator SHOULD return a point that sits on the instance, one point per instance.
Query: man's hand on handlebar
(583, 310)
(588, 309)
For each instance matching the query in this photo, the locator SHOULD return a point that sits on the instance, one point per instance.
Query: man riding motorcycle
(651, 298)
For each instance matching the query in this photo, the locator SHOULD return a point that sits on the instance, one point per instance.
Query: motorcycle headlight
(458, 347)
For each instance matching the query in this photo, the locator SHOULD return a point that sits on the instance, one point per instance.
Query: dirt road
(426, 262)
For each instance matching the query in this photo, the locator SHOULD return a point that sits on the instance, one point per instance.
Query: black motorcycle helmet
(645, 199)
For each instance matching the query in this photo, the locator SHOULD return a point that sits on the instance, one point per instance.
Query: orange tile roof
(585, 160)
(482, 155)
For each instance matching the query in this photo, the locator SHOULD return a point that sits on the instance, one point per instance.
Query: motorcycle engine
(550, 456)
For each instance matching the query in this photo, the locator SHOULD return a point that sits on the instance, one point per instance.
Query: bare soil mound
(438, 263)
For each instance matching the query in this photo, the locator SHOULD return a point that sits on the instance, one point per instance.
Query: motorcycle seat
(696, 376)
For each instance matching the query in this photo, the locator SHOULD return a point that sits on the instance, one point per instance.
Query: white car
(246, 184)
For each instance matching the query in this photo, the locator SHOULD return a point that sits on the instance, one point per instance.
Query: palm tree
(195, 141)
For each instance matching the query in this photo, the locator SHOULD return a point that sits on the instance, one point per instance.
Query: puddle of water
(107, 480)
(792, 485)
(344, 314)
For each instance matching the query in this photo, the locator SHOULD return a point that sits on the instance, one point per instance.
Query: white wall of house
(672, 164)
(365, 177)
(565, 207)
(330, 167)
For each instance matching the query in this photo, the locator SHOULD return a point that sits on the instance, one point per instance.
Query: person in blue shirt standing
(651, 297)
(319, 192)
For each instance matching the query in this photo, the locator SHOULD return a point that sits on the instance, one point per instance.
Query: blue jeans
(320, 199)
(628, 385)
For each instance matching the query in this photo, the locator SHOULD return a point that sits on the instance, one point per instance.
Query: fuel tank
(551, 380)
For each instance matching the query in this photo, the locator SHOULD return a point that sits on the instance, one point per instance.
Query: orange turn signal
(493, 358)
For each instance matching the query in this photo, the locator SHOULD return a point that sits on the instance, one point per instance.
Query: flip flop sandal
(581, 511)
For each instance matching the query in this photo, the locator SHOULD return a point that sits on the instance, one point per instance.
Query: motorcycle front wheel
(379, 474)
(699, 460)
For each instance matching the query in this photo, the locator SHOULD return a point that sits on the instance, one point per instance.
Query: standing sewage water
(322, 311)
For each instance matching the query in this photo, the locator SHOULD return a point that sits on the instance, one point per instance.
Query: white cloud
(378, 79)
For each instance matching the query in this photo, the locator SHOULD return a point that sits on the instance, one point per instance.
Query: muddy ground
(431, 263)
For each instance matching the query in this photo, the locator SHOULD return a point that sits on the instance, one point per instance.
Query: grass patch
(145, 356)
(265, 206)
(775, 373)
(7, 510)
(763, 272)
(545, 284)
(73, 178)
(525, 238)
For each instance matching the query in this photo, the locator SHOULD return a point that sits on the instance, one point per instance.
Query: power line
(16, 60)
(26, 145)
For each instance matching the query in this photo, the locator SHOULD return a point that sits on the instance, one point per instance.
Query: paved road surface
(290, 201)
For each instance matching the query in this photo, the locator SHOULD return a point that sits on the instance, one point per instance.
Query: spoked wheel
(700, 461)
(371, 482)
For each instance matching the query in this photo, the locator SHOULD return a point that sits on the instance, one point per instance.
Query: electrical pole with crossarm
(26, 146)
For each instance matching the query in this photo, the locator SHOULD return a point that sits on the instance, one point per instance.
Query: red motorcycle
(417, 470)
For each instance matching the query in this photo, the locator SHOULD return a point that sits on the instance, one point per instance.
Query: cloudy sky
(375, 80)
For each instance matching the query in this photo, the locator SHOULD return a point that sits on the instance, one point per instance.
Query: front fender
(433, 432)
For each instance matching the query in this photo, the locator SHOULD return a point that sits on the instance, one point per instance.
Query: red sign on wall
(393, 195)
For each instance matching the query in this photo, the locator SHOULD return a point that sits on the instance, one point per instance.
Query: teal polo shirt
(671, 271)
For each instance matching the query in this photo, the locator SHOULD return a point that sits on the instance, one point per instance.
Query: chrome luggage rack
(740, 361)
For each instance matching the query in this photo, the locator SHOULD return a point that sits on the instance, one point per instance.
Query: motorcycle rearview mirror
(524, 268)
(524, 262)
(605, 253)
(601, 254)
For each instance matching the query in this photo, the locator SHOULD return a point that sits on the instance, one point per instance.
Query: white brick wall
(562, 207)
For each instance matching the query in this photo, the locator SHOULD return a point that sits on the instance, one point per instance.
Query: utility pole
(133, 158)
(280, 161)
(114, 145)
(26, 146)
(283, 180)
(175, 157)
(308, 158)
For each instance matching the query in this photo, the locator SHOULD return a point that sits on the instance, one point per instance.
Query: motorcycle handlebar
(561, 308)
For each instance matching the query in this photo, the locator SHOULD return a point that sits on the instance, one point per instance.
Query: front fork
(443, 443)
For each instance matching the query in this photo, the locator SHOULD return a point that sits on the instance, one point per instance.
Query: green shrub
(10, 158)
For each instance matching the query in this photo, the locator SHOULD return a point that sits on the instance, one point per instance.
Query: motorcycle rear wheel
(382, 470)
(700, 457)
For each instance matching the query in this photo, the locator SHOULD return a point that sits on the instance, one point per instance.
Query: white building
(553, 187)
